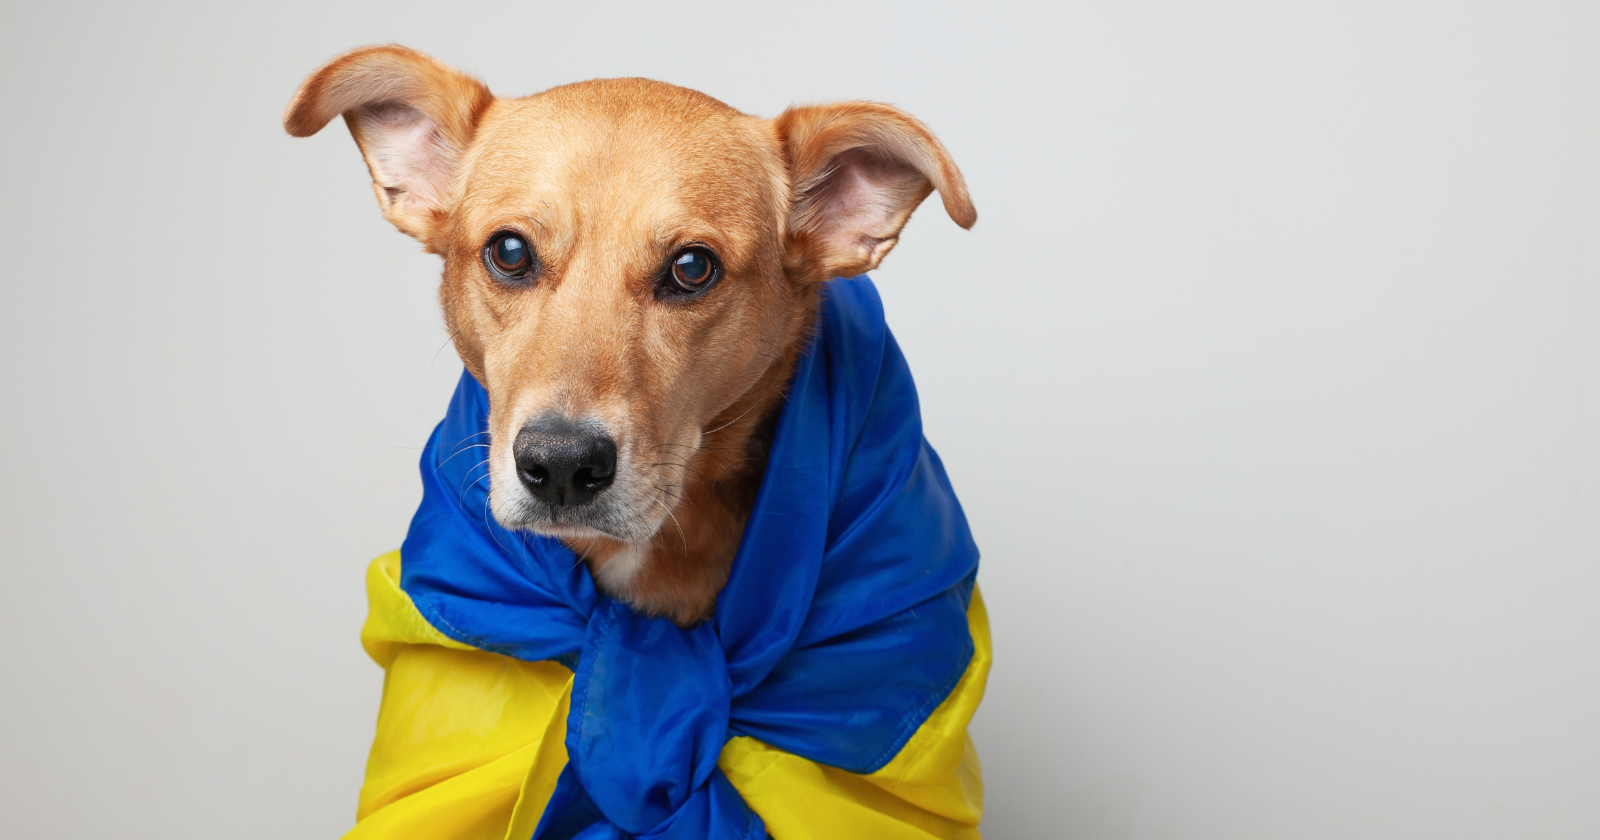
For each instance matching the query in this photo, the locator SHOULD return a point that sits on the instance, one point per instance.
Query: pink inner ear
(865, 200)
(407, 153)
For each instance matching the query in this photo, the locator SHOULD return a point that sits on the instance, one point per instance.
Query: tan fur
(607, 179)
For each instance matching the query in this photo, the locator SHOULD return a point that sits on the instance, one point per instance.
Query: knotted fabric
(842, 626)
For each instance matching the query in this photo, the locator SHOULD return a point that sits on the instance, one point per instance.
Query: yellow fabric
(932, 788)
(469, 745)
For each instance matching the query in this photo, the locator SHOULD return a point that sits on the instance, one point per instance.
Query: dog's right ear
(412, 118)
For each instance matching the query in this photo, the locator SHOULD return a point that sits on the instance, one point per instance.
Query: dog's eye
(508, 256)
(693, 269)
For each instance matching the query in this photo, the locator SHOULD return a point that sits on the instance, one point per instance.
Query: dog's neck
(678, 572)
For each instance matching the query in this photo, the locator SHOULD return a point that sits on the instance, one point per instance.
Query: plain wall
(1270, 380)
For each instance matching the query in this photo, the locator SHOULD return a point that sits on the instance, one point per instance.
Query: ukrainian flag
(828, 697)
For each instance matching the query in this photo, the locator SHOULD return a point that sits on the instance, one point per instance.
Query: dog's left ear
(856, 171)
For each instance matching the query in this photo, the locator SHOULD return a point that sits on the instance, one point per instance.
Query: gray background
(1270, 379)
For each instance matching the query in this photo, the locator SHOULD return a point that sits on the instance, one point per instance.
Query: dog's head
(625, 261)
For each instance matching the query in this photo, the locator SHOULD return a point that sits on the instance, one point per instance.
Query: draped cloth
(847, 628)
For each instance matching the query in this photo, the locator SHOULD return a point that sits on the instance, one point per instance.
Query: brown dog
(630, 270)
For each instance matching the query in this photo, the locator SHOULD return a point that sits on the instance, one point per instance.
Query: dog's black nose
(562, 462)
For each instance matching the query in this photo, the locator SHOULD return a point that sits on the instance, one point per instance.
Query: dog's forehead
(623, 149)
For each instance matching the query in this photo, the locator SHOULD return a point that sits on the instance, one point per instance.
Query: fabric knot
(644, 684)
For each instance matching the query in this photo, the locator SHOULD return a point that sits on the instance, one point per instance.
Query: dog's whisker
(441, 349)
(682, 537)
(690, 447)
(587, 547)
(453, 455)
(447, 445)
(490, 528)
(470, 487)
(678, 498)
(731, 422)
(700, 448)
(684, 467)
(462, 490)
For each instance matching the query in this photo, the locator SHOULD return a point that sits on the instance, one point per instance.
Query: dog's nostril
(534, 474)
(592, 478)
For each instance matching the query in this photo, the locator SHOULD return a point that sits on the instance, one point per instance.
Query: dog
(630, 269)
(635, 276)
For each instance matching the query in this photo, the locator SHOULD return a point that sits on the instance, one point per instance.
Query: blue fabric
(841, 628)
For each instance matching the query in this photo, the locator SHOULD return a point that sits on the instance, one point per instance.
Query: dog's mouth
(584, 524)
(593, 520)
